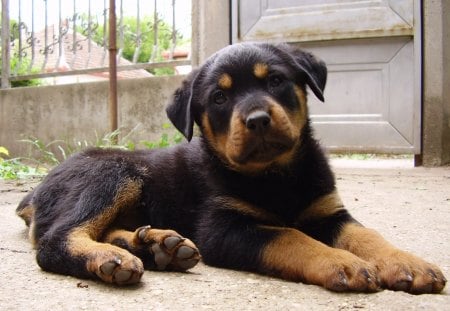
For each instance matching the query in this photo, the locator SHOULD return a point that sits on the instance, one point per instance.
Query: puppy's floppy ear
(314, 69)
(179, 110)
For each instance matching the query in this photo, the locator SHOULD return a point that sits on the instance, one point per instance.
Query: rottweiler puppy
(254, 192)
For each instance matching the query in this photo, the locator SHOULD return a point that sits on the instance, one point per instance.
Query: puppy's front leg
(158, 249)
(239, 236)
(398, 270)
(293, 255)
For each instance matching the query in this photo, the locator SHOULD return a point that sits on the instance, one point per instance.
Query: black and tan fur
(254, 192)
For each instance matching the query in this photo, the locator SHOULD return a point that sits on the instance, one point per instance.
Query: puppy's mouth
(263, 150)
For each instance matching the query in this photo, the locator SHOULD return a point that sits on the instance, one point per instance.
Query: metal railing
(55, 38)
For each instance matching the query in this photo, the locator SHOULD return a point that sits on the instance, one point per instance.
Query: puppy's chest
(283, 198)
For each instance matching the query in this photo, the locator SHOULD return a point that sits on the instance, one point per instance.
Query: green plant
(50, 154)
(19, 65)
(43, 150)
(53, 152)
(113, 140)
(15, 168)
(165, 140)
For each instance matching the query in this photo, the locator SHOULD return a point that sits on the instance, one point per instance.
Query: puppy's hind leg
(26, 211)
(76, 250)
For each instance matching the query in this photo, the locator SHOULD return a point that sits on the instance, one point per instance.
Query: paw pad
(171, 242)
(185, 252)
(108, 267)
(119, 272)
(170, 250)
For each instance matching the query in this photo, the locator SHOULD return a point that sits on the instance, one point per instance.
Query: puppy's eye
(275, 81)
(219, 97)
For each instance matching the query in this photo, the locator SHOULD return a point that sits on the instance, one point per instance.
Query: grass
(44, 155)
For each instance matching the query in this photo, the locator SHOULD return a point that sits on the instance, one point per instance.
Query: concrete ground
(409, 206)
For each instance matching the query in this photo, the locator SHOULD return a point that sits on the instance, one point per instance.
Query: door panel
(296, 21)
(370, 92)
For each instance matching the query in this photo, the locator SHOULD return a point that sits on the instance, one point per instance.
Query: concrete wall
(77, 112)
(436, 83)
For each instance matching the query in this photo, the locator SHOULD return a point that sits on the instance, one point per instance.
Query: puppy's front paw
(401, 271)
(116, 266)
(170, 250)
(342, 271)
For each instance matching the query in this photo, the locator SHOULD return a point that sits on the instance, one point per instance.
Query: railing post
(5, 45)
(113, 114)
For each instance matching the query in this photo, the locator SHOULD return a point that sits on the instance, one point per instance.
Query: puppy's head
(249, 101)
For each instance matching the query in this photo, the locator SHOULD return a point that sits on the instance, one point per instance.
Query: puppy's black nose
(258, 121)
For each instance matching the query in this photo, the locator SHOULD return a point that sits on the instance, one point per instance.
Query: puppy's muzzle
(258, 122)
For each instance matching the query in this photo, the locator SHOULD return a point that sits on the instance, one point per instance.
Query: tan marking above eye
(225, 81)
(260, 70)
